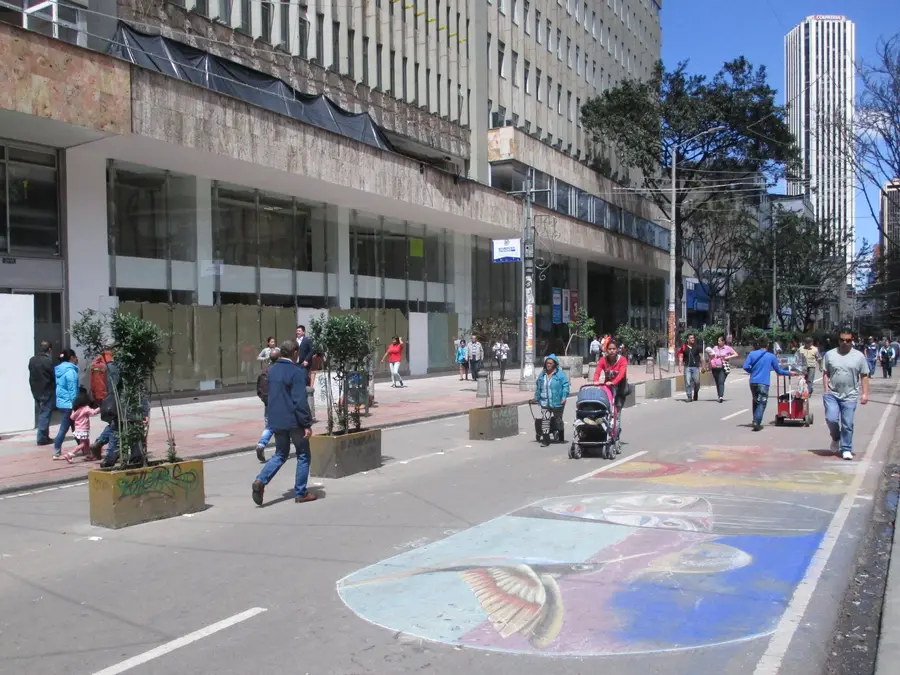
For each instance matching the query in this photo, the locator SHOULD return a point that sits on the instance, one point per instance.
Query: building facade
(820, 93)
(889, 209)
(166, 179)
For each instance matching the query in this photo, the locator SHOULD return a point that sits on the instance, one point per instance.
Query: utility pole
(526, 319)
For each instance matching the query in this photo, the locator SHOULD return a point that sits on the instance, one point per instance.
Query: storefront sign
(557, 305)
(507, 250)
(416, 247)
(566, 306)
(573, 301)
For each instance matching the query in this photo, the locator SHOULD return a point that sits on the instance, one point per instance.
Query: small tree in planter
(139, 490)
(492, 421)
(348, 345)
(582, 327)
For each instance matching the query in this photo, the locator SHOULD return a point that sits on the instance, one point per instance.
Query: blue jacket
(760, 363)
(558, 387)
(287, 408)
(66, 384)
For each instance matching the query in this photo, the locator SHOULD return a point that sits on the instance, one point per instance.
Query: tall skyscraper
(819, 56)
(890, 219)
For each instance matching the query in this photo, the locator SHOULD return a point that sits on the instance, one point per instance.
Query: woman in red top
(394, 354)
(614, 368)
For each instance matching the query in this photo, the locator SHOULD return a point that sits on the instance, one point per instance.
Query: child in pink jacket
(81, 422)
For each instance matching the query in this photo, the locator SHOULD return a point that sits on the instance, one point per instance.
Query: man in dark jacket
(288, 416)
(43, 390)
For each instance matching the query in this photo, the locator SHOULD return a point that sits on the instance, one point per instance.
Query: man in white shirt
(501, 354)
(845, 369)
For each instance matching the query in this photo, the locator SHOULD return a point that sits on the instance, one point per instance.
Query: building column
(462, 278)
(479, 169)
(87, 241)
(206, 281)
(338, 234)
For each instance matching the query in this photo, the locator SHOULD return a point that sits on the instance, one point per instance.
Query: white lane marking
(162, 650)
(739, 412)
(771, 660)
(41, 491)
(589, 474)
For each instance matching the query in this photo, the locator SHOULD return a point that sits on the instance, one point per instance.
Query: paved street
(706, 548)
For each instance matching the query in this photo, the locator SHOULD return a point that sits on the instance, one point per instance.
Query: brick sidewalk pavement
(209, 428)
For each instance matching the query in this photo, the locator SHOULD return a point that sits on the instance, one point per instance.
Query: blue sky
(709, 32)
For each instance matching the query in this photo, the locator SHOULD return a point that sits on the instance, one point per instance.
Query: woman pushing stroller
(612, 371)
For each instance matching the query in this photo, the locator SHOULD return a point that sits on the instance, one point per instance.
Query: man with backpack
(262, 391)
(104, 378)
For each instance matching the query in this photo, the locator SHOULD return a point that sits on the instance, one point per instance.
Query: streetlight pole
(672, 243)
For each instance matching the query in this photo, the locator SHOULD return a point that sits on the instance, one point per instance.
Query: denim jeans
(267, 432)
(719, 376)
(760, 394)
(105, 436)
(64, 425)
(691, 381)
(43, 409)
(871, 363)
(283, 440)
(839, 418)
(810, 378)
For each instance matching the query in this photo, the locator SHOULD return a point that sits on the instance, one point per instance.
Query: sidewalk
(209, 428)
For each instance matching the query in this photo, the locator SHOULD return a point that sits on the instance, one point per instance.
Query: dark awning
(176, 59)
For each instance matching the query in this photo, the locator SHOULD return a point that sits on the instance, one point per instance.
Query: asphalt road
(706, 548)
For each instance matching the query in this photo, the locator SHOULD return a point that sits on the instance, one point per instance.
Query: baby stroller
(595, 423)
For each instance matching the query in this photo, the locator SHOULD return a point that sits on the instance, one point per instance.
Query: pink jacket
(81, 418)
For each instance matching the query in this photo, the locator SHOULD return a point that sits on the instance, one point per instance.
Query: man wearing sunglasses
(844, 368)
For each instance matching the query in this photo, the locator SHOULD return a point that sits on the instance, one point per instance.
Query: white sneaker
(846, 454)
(835, 446)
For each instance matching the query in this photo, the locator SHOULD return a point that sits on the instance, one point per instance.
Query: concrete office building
(889, 208)
(196, 179)
(820, 92)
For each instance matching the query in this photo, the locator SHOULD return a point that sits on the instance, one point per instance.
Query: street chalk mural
(616, 573)
(747, 466)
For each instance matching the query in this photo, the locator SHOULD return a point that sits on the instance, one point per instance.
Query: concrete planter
(572, 366)
(488, 424)
(658, 388)
(122, 498)
(344, 455)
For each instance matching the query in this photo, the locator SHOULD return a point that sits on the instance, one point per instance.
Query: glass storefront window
(395, 249)
(29, 203)
(277, 232)
(234, 227)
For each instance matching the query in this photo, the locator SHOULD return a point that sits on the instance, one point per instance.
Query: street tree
(644, 122)
(809, 273)
(715, 242)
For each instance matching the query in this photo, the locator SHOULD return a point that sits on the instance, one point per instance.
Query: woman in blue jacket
(66, 391)
(551, 391)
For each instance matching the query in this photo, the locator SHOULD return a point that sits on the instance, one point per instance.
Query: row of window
(54, 18)
(569, 200)
(29, 201)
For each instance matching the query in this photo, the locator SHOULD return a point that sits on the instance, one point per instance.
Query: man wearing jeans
(288, 416)
(693, 359)
(844, 367)
(760, 363)
(43, 390)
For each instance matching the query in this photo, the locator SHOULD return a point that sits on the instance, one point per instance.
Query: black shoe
(258, 489)
(757, 427)
(107, 463)
(261, 453)
(45, 441)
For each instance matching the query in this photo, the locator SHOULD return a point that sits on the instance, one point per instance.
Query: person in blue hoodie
(760, 363)
(66, 373)
(551, 391)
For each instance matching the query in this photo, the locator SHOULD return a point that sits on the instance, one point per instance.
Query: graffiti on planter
(606, 574)
(163, 481)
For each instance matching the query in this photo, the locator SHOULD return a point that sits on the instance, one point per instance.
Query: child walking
(81, 421)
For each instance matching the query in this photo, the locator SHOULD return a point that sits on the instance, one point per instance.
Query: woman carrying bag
(718, 363)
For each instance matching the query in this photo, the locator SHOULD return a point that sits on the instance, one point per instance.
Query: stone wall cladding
(53, 79)
(180, 113)
(216, 38)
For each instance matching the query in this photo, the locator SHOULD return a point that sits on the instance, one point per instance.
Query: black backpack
(262, 387)
(108, 409)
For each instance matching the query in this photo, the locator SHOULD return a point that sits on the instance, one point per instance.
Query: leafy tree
(645, 121)
(581, 326)
(348, 344)
(136, 344)
(809, 274)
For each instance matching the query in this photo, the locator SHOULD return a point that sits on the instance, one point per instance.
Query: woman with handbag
(719, 356)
